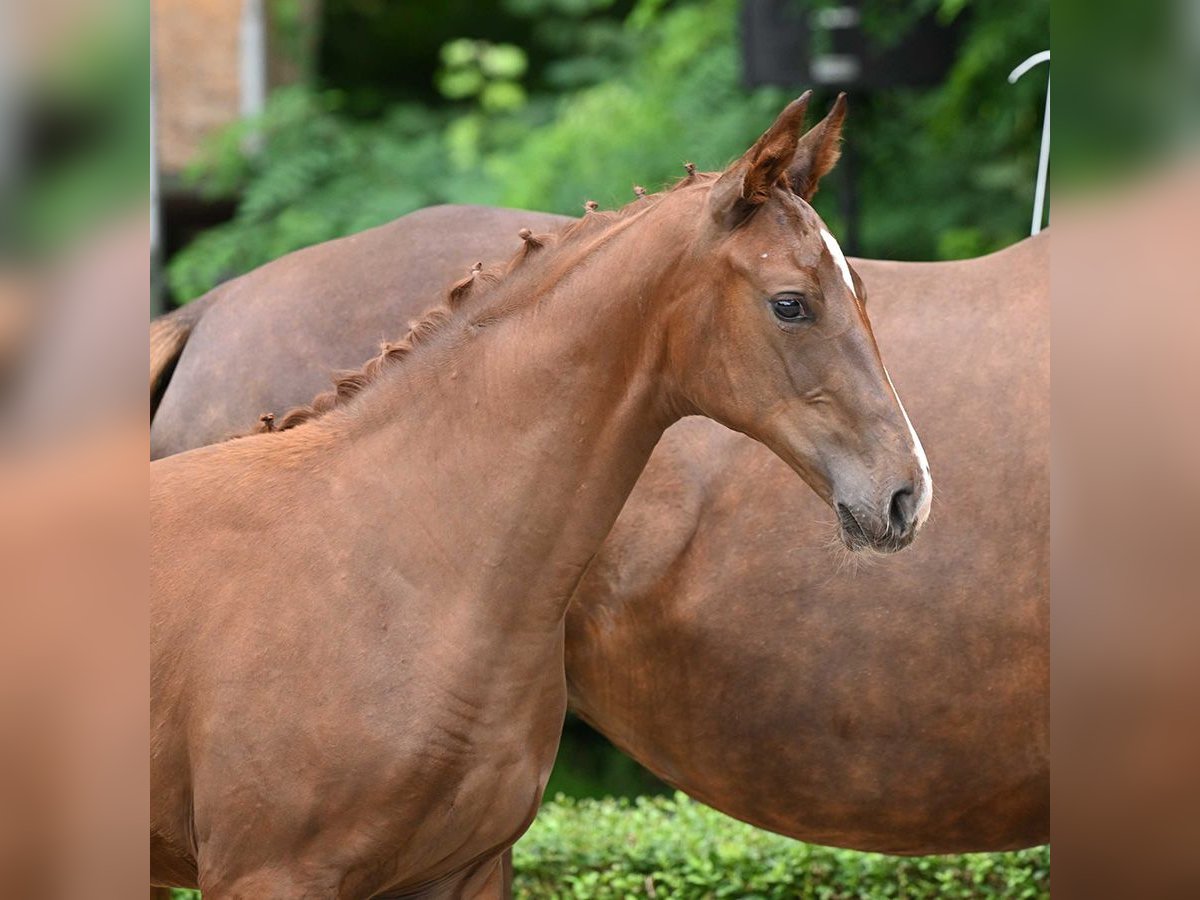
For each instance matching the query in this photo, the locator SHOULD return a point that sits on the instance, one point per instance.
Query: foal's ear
(818, 151)
(747, 183)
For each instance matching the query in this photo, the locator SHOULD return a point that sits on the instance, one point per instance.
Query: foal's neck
(532, 419)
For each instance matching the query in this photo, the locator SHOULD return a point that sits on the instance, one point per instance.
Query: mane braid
(348, 385)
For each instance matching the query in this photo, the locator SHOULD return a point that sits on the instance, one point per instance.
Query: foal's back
(268, 340)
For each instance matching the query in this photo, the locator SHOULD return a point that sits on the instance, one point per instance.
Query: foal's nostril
(900, 513)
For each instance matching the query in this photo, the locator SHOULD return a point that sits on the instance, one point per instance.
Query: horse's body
(899, 706)
(269, 340)
(358, 622)
(902, 706)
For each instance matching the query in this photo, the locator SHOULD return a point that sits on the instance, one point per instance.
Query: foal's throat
(506, 450)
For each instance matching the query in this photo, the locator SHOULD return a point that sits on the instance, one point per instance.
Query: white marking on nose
(764, 256)
(839, 258)
(925, 498)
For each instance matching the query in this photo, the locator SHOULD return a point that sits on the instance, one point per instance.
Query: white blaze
(840, 258)
(925, 497)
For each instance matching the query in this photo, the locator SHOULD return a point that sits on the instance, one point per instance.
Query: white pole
(1039, 196)
(156, 296)
(10, 102)
(1039, 199)
(155, 225)
(252, 65)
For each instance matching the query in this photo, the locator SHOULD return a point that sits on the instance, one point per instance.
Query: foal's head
(770, 336)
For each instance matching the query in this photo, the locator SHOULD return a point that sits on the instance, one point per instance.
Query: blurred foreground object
(73, 694)
(73, 304)
(1125, 616)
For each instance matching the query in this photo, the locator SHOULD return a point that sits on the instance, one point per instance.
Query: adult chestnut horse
(358, 621)
(901, 706)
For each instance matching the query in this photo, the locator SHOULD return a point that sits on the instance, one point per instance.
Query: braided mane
(348, 385)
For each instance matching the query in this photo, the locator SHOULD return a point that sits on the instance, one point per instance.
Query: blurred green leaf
(457, 84)
(503, 61)
(502, 96)
(461, 52)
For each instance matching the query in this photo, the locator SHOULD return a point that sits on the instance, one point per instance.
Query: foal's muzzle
(886, 530)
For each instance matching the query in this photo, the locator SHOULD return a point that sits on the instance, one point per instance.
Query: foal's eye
(790, 307)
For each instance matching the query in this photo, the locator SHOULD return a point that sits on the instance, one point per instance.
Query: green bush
(315, 175)
(673, 847)
(943, 172)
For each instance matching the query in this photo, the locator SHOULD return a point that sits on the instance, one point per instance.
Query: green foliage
(608, 96)
(678, 100)
(293, 34)
(483, 71)
(673, 847)
(949, 172)
(587, 765)
(94, 166)
(676, 848)
(315, 176)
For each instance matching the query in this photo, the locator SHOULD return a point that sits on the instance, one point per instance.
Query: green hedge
(673, 847)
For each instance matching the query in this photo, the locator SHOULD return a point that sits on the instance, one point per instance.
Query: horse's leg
(507, 864)
(272, 884)
(487, 880)
(492, 881)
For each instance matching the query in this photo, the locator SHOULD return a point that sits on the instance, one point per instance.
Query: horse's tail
(168, 335)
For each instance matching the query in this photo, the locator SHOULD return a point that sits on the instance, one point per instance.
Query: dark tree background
(545, 103)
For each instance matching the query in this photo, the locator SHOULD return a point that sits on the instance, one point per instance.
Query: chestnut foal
(357, 621)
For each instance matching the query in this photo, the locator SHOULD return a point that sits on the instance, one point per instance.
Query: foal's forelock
(348, 385)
